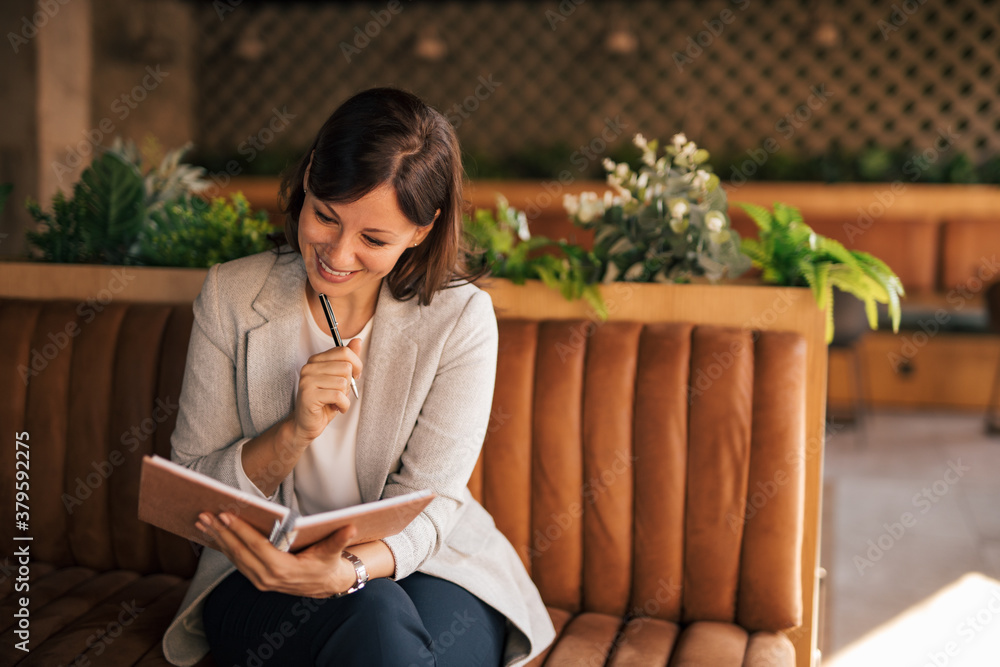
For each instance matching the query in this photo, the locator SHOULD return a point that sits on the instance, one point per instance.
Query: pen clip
(331, 320)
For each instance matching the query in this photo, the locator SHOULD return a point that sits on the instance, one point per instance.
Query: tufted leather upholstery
(619, 461)
(650, 476)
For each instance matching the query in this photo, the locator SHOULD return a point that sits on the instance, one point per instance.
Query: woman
(373, 218)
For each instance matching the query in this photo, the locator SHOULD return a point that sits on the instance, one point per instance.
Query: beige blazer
(435, 362)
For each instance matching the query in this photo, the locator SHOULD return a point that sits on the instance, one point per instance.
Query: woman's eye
(373, 241)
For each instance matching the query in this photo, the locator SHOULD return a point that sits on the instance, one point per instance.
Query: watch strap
(360, 571)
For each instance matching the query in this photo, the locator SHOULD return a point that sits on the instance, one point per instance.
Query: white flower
(590, 207)
(678, 208)
(609, 164)
(522, 227)
(623, 194)
(571, 203)
(679, 140)
(622, 170)
(639, 141)
(715, 221)
(700, 179)
(643, 179)
(648, 157)
(689, 149)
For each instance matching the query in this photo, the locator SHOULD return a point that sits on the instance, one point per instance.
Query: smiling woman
(373, 221)
(349, 248)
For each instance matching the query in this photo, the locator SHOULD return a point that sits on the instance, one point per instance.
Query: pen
(335, 332)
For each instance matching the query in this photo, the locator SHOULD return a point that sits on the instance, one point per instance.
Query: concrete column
(65, 135)
(19, 130)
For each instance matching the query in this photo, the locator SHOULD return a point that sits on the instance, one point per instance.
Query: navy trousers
(419, 621)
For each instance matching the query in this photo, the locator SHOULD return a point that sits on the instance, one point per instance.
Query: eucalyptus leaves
(666, 222)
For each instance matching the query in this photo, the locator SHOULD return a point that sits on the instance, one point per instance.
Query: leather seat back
(652, 469)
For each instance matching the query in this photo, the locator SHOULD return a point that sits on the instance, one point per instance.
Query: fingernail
(205, 518)
(224, 518)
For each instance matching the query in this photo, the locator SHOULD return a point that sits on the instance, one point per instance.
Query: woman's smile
(332, 275)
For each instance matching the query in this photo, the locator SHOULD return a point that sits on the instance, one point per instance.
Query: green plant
(505, 246)
(125, 212)
(791, 254)
(99, 223)
(666, 222)
(193, 232)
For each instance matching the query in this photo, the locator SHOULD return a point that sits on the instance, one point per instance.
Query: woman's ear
(422, 233)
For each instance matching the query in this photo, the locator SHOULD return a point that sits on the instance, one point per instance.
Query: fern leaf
(753, 249)
(111, 190)
(871, 310)
(760, 215)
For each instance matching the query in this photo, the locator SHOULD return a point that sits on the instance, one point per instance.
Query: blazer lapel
(392, 361)
(272, 346)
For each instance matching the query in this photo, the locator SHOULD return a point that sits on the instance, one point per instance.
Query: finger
(355, 347)
(348, 354)
(333, 545)
(337, 381)
(247, 534)
(209, 535)
(234, 547)
(342, 538)
(320, 399)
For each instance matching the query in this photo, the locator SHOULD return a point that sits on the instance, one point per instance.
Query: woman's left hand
(318, 572)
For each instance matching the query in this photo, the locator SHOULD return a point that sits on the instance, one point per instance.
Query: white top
(326, 474)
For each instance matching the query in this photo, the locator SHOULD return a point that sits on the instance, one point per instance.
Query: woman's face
(349, 248)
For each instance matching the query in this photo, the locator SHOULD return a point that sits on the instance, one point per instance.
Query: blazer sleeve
(444, 445)
(209, 437)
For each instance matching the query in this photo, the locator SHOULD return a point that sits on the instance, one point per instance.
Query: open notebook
(171, 497)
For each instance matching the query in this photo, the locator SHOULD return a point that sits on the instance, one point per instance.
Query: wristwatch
(359, 569)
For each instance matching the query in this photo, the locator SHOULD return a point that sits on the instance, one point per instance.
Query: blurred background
(880, 120)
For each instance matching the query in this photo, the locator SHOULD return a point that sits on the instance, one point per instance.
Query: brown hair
(385, 136)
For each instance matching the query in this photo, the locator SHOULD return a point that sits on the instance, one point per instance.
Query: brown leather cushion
(599, 639)
(80, 616)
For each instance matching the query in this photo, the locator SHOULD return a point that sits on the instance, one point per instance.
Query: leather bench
(650, 475)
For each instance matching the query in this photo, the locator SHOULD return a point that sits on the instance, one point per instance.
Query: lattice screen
(940, 68)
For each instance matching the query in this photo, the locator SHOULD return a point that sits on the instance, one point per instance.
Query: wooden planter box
(84, 282)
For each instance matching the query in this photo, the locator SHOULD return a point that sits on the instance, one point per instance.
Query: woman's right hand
(324, 390)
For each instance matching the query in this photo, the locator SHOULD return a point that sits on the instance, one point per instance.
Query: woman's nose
(340, 253)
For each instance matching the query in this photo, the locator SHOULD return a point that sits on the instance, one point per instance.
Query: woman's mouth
(331, 275)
